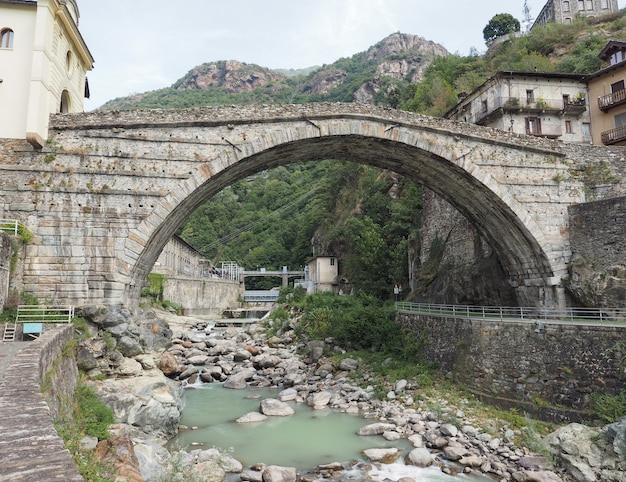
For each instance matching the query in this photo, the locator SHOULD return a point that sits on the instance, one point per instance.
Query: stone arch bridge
(110, 188)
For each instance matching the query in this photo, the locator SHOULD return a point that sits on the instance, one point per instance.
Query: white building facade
(544, 104)
(43, 66)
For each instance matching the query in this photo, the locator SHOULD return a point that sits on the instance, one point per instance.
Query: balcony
(614, 136)
(494, 108)
(607, 102)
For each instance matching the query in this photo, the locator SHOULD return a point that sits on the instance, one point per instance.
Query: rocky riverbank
(148, 362)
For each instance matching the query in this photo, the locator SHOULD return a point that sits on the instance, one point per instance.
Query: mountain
(393, 63)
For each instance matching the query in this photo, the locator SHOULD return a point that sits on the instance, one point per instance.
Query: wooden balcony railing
(614, 136)
(607, 102)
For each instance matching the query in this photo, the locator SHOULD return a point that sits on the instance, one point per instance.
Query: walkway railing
(515, 313)
(259, 296)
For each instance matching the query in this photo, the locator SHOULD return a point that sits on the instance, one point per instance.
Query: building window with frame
(589, 4)
(6, 38)
(530, 97)
(533, 126)
(566, 6)
(568, 127)
(332, 261)
(483, 106)
(581, 5)
(605, 4)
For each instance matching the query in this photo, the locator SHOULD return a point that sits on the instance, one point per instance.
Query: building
(607, 97)
(566, 11)
(43, 66)
(544, 104)
(179, 258)
(323, 274)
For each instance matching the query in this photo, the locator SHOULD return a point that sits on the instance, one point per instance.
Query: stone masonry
(111, 188)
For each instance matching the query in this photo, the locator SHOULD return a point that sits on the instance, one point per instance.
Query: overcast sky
(142, 45)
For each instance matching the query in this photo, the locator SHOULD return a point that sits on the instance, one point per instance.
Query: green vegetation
(90, 417)
(500, 24)
(609, 407)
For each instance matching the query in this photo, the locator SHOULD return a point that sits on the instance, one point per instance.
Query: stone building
(566, 11)
(543, 104)
(180, 258)
(43, 66)
(607, 96)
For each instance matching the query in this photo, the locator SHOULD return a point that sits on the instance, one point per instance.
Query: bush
(609, 407)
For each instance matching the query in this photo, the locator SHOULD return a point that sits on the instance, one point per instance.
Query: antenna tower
(527, 19)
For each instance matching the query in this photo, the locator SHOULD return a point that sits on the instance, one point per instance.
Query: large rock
(275, 408)
(119, 453)
(420, 457)
(239, 380)
(129, 346)
(377, 428)
(169, 365)
(319, 400)
(274, 473)
(150, 404)
(251, 417)
(385, 456)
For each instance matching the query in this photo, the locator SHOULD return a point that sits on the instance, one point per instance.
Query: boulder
(348, 364)
(129, 368)
(239, 380)
(454, 453)
(385, 456)
(251, 417)
(419, 457)
(129, 346)
(119, 453)
(276, 408)
(274, 473)
(168, 364)
(376, 428)
(319, 400)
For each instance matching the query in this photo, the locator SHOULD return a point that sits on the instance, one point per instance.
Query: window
(483, 106)
(533, 126)
(605, 4)
(568, 20)
(617, 86)
(332, 261)
(586, 129)
(589, 4)
(568, 127)
(64, 108)
(616, 57)
(620, 120)
(530, 97)
(6, 39)
(566, 6)
(566, 99)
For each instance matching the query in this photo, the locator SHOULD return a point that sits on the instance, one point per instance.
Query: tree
(499, 25)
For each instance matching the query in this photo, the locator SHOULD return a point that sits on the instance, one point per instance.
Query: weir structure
(110, 188)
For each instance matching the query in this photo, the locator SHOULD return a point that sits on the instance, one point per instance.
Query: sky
(142, 45)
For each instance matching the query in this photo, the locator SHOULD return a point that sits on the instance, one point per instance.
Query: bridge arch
(136, 176)
(437, 163)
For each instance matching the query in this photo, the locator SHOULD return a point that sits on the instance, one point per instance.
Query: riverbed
(304, 440)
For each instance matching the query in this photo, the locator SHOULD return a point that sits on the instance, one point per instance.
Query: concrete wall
(30, 448)
(203, 296)
(514, 364)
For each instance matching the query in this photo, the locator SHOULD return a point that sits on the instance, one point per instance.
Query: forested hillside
(366, 217)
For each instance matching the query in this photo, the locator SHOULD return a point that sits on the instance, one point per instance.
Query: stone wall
(598, 240)
(5, 266)
(202, 296)
(536, 368)
(30, 448)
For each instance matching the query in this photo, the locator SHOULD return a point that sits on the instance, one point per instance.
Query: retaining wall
(202, 296)
(30, 448)
(550, 370)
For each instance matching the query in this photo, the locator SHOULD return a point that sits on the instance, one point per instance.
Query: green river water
(304, 440)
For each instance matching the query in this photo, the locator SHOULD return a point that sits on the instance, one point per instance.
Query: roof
(607, 70)
(610, 48)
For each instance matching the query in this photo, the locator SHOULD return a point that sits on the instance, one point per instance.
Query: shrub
(609, 407)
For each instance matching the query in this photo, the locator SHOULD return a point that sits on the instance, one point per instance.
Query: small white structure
(43, 66)
(323, 274)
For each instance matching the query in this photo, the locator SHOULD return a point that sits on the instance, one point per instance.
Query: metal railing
(44, 314)
(9, 226)
(515, 313)
(259, 296)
